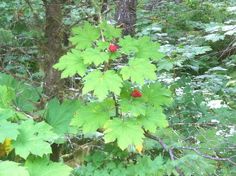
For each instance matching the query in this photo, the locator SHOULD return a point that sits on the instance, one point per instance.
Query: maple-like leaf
(156, 95)
(110, 31)
(44, 167)
(101, 83)
(84, 36)
(126, 132)
(153, 118)
(10, 168)
(6, 113)
(139, 70)
(33, 138)
(92, 55)
(133, 107)
(59, 115)
(128, 45)
(148, 49)
(142, 47)
(102, 45)
(6, 96)
(8, 130)
(71, 64)
(93, 115)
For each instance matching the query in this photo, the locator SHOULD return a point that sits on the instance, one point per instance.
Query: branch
(196, 150)
(216, 158)
(116, 105)
(165, 147)
(207, 124)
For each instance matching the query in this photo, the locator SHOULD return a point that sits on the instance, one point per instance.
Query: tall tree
(53, 46)
(53, 49)
(126, 15)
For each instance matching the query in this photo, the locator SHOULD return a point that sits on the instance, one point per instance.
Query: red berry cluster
(136, 93)
(113, 48)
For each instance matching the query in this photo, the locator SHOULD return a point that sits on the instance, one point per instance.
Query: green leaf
(93, 115)
(8, 130)
(9, 168)
(128, 45)
(84, 36)
(142, 47)
(27, 95)
(59, 115)
(6, 113)
(132, 106)
(33, 138)
(156, 95)
(71, 64)
(139, 70)
(7, 80)
(165, 64)
(110, 31)
(148, 49)
(126, 132)
(102, 45)
(154, 118)
(92, 55)
(6, 96)
(102, 83)
(44, 167)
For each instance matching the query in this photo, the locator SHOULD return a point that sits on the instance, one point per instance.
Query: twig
(116, 105)
(165, 147)
(196, 150)
(195, 124)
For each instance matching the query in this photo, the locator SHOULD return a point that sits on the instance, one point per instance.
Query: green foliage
(102, 83)
(153, 118)
(81, 39)
(118, 129)
(143, 166)
(59, 115)
(106, 82)
(11, 168)
(94, 56)
(8, 130)
(71, 64)
(33, 139)
(110, 31)
(139, 70)
(93, 116)
(142, 47)
(44, 167)
(195, 61)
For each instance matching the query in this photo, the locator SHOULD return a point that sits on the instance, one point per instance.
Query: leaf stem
(116, 105)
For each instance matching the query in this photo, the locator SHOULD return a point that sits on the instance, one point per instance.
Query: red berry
(136, 93)
(113, 48)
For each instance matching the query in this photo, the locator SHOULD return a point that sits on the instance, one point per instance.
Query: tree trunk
(53, 51)
(126, 15)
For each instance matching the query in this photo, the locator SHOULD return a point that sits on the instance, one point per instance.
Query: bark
(126, 15)
(53, 84)
(53, 46)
